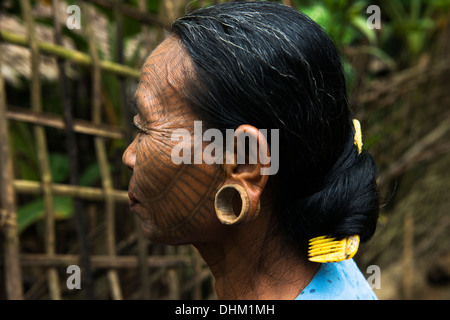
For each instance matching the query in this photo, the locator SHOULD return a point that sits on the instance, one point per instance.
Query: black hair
(270, 66)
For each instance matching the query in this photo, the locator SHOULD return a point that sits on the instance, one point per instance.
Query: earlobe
(224, 207)
(244, 176)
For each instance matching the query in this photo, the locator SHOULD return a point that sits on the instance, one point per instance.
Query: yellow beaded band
(358, 135)
(325, 249)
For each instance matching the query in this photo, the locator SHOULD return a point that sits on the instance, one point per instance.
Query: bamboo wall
(127, 264)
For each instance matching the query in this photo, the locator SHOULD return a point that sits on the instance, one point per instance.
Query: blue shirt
(338, 281)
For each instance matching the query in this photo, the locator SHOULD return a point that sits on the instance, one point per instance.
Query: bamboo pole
(8, 214)
(41, 144)
(197, 265)
(120, 60)
(101, 154)
(142, 242)
(173, 277)
(54, 121)
(69, 54)
(86, 193)
(72, 153)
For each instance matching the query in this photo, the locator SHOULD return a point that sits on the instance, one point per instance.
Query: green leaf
(360, 24)
(24, 150)
(319, 14)
(90, 175)
(59, 164)
(34, 211)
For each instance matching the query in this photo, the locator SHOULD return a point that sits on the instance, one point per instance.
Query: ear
(244, 163)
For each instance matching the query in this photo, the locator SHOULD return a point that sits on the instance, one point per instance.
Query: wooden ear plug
(223, 204)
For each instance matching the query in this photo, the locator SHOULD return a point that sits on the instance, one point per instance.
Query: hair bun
(346, 204)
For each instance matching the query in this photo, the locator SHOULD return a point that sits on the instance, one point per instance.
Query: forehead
(162, 72)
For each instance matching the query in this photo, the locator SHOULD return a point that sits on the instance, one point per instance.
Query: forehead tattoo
(161, 78)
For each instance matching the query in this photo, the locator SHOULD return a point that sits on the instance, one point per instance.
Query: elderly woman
(279, 221)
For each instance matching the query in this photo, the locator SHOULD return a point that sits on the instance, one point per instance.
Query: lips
(132, 200)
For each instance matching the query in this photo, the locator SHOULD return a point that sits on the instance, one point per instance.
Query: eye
(142, 126)
(137, 124)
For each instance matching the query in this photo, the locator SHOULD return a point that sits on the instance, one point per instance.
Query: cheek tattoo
(174, 200)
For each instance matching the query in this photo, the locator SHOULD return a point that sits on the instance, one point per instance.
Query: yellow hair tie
(358, 135)
(325, 249)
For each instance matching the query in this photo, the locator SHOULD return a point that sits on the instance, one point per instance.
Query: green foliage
(24, 150)
(59, 165)
(413, 24)
(63, 206)
(90, 176)
(343, 20)
(34, 211)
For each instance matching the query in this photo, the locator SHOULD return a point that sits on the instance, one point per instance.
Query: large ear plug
(223, 204)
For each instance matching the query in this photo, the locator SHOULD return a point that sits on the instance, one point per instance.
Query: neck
(247, 264)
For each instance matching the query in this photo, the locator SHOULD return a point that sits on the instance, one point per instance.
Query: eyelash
(138, 125)
(135, 112)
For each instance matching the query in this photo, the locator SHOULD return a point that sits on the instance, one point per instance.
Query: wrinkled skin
(174, 202)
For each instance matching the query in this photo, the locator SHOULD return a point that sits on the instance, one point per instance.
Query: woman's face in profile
(175, 202)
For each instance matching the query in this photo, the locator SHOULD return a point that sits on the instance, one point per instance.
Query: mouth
(132, 200)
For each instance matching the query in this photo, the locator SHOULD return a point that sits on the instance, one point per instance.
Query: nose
(129, 156)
